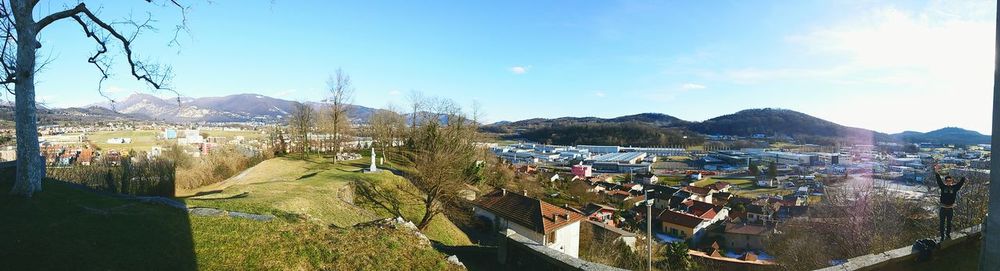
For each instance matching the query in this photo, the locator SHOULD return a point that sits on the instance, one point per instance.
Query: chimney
(503, 191)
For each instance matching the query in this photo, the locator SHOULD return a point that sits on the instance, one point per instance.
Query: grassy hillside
(316, 189)
(64, 228)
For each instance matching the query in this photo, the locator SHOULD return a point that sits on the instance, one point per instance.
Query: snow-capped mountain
(232, 108)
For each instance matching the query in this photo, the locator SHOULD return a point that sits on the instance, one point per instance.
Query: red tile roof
(697, 190)
(678, 218)
(719, 185)
(746, 229)
(529, 212)
(701, 209)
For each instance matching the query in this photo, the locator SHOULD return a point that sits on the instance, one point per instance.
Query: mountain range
(580, 130)
(765, 121)
(232, 108)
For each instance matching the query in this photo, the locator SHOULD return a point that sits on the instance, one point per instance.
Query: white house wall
(568, 240)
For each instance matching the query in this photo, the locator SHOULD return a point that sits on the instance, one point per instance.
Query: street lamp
(649, 229)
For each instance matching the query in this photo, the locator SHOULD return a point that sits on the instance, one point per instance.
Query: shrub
(136, 176)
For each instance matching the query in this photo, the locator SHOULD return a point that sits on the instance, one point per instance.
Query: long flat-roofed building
(622, 157)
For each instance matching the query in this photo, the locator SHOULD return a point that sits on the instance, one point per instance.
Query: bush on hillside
(135, 176)
(215, 167)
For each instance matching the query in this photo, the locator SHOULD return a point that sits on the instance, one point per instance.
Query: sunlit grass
(711, 180)
(141, 140)
(313, 187)
(62, 228)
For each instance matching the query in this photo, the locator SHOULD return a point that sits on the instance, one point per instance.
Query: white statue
(372, 167)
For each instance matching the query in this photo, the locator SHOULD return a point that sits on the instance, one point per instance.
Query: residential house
(682, 224)
(633, 187)
(555, 177)
(699, 193)
(527, 169)
(665, 197)
(747, 236)
(86, 157)
(619, 195)
(765, 182)
(582, 171)
(604, 232)
(757, 213)
(646, 178)
(600, 213)
(721, 198)
(786, 212)
(546, 224)
(603, 178)
(704, 210)
(719, 186)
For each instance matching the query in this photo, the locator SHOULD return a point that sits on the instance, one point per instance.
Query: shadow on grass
(71, 228)
(307, 175)
(473, 257)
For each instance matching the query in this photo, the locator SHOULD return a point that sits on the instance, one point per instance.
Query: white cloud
(599, 94)
(692, 86)
(893, 60)
(519, 69)
(395, 93)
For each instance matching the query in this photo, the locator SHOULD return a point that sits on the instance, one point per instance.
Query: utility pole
(989, 257)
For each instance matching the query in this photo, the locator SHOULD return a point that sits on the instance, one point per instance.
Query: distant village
(724, 204)
(77, 146)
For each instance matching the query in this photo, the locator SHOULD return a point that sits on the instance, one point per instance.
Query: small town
(511, 136)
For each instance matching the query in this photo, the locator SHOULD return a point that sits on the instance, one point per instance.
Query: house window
(550, 237)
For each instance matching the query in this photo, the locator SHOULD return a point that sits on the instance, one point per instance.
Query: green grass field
(710, 180)
(141, 140)
(62, 228)
(312, 186)
(755, 192)
(670, 180)
(230, 135)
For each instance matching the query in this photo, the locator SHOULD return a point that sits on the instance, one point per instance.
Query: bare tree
(386, 127)
(477, 112)
(18, 58)
(300, 123)
(417, 103)
(443, 157)
(341, 94)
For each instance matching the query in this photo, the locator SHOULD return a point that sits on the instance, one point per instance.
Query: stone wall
(890, 259)
(516, 252)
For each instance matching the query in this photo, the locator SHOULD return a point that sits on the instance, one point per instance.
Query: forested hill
(73, 115)
(783, 122)
(653, 129)
(631, 133)
(653, 119)
(949, 135)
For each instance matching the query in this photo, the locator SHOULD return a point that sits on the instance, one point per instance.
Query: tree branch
(58, 16)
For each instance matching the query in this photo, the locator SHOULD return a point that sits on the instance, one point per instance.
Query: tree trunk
(29, 179)
(428, 215)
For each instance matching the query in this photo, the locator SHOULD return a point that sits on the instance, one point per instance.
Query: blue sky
(888, 66)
